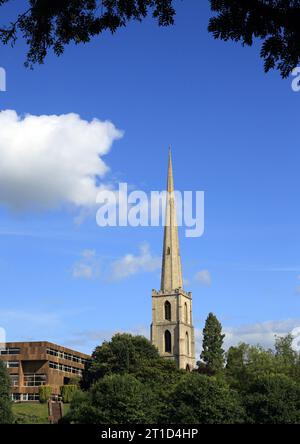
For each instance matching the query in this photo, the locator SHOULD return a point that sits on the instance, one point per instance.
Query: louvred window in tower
(167, 311)
(168, 342)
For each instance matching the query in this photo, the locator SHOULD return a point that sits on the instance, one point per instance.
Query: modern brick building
(31, 364)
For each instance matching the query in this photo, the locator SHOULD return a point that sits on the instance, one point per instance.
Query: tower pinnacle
(171, 276)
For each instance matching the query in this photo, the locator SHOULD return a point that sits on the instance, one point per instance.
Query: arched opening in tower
(168, 342)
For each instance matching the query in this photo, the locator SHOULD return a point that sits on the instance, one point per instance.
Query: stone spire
(171, 277)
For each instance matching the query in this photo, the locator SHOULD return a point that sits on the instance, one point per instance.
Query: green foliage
(6, 416)
(67, 392)
(45, 392)
(267, 381)
(284, 350)
(4, 381)
(114, 399)
(212, 354)
(127, 382)
(273, 399)
(245, 362)
(200, 399)
(79, 409)
(235, 368)
(52, 25)
(126, 356)
(274, 22)
(123, 354)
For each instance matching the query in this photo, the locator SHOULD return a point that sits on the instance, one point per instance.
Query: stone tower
(172, 330)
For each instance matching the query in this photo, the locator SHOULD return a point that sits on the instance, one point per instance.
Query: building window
(65, 368)
(168, 250)
(185, 313)
(33, 397)
(11, 364)
(15, 397)
(14, 380)
(34, 380)
(187, 343)
(168, 342)
(10, 351)
(167, 311)
(30, 397)
(66, 356)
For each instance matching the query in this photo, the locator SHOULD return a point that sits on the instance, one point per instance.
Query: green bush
(45, 393)
(273, 399)
(68, 391)
(201, 399)
(114, 399)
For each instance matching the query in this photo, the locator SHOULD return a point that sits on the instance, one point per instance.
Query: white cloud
(87, 267)
(131, 264)
(91, 266)
(83, 271)
(203, 277)
(50, 160)
(262, 333)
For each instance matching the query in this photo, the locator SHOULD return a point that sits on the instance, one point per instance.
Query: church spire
(171, 277)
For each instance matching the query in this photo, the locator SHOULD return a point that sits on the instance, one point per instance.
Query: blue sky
(234, 133)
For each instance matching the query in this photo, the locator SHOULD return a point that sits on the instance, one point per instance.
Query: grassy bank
(32, 412)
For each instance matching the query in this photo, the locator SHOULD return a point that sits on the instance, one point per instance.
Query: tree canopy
(128, 382)
(272, 399)
(114, 399)
(52, 24)
(274, 22)
(199, 399)
(6, 416)
(127, 354)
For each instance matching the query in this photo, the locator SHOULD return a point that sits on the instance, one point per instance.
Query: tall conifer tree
(213, 353)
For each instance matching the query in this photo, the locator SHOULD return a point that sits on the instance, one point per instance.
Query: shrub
(67, 392)
(45, 393)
